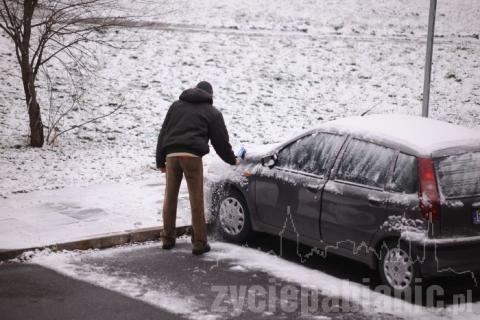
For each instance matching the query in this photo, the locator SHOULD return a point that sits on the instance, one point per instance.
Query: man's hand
(237, 161)
(162, 169)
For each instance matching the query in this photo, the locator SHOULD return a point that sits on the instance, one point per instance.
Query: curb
(99, 242)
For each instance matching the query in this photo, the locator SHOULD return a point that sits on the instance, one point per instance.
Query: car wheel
(233, 221)
(398, 270)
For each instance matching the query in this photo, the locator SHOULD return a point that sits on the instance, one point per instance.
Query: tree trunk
(33, 108)
(36, 125)
(28, 77)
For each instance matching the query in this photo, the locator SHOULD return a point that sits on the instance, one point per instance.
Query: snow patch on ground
(240, 258)
(370, 301)
(73, 213)
(133, 286)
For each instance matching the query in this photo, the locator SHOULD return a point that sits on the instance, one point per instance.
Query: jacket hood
(196, 95)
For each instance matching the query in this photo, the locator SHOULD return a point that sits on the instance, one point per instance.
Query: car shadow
(452, 288)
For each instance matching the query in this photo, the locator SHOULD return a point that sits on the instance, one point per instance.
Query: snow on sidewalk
(51, 217)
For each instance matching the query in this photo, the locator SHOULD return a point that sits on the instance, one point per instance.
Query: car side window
(310, 154)
(405, 174)
(365, 163)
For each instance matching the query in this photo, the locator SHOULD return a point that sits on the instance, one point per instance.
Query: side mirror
(270, 161)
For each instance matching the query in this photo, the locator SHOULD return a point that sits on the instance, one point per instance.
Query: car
(398, 193)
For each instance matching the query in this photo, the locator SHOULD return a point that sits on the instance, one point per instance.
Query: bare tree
(43, 31)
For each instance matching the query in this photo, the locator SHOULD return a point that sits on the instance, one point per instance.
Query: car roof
(416, 135)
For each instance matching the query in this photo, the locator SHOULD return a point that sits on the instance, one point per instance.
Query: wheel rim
(232, 216)
(398, 268)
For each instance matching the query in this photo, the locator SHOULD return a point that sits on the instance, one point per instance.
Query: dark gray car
(398, 193)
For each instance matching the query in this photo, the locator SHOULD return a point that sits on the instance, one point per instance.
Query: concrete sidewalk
(86, 217)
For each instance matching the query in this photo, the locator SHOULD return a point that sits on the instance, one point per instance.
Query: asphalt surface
(187, 275)
(29, 291)
(33, 292)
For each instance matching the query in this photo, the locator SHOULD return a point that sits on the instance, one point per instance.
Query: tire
(233, 218)
(398, 270)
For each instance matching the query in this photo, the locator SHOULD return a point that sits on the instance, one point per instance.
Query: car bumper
(439, 257)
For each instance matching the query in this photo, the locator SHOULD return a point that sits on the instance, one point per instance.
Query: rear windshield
(459, 175)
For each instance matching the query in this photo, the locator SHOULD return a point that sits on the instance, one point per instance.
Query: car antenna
(366, 112)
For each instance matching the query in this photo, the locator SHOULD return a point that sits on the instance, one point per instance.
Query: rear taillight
(428, 190)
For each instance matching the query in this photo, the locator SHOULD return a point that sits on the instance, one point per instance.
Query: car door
(354, 201)
(288, 196)
(403, 212)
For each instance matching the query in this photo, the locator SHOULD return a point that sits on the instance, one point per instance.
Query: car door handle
(312, 189)
(375, 202)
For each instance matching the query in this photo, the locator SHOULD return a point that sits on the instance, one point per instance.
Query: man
(188, 126)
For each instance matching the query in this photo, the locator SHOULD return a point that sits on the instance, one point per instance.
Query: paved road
(33, 292)
(145, 282)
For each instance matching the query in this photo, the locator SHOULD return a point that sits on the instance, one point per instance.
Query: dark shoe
(200, 249)
(167, 245)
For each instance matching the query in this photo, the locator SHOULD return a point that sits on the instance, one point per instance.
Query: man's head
(205, 86)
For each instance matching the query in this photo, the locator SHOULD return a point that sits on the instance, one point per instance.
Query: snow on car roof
(423, 135)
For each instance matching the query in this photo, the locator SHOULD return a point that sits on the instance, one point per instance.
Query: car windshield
(459, 175)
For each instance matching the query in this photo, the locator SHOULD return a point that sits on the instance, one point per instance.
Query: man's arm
(160, 154)
(220, 140)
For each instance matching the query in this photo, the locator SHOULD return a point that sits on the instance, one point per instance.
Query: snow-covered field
(277, 68)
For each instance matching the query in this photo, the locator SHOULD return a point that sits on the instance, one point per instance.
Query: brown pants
(192, 168)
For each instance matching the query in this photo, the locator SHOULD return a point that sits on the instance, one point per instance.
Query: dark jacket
(189, 124)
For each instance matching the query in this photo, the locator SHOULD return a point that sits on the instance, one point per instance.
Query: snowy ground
(183, 284)
(49, 217)
(277, 68)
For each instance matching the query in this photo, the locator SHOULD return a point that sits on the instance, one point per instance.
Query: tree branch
(89, 121)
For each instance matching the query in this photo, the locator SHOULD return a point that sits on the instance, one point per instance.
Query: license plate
(476, 216)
